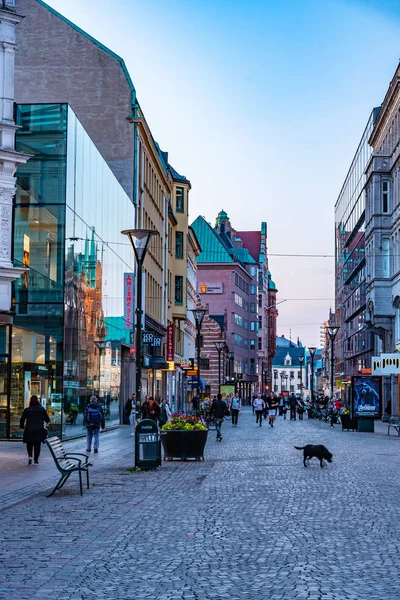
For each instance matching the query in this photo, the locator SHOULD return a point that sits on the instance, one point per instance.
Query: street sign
(132, 337)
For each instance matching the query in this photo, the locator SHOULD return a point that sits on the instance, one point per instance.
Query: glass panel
(38, 245)
(42, 134)
(35, 370)
(3, 393)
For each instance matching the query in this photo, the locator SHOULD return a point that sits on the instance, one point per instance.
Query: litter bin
(366, 425)
(147, 445)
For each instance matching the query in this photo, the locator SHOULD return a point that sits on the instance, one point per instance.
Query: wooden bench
(67, 463)
(395, 423)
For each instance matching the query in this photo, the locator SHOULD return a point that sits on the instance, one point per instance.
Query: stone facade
(9, 159)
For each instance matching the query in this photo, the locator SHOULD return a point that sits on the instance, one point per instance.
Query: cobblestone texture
(250, 522)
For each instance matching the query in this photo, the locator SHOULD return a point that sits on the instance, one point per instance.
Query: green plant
(184, 423)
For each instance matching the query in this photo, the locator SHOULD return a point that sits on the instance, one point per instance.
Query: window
(252, 271)
(385, 258)
(291, 374)
(252, 307)
(178, 289)
(252, 289)
(252, 326)
(238, 300)
(179, 244)
(252, 345)
(180, 199)
(260, 343)
(204, 364)
(385, 196)
(260, 322)
(252, 367)
(260, 300)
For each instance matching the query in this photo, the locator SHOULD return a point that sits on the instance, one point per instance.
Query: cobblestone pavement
(250, 522)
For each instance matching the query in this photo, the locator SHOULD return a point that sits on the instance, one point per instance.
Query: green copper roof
(222, 216)
(213, 250)
(243, 255)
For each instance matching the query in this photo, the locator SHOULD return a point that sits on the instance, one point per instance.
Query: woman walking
(32, 422)
(165, 413)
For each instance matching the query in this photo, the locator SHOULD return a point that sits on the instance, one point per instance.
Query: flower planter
(183, 444)
(348, 423)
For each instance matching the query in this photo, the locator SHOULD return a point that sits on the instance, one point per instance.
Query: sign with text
(386, 364)
(366, 397)
(211, 288)
(147, 337)
(129, 312)
(170, 343)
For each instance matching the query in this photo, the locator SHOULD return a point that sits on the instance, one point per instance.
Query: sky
(261, 104)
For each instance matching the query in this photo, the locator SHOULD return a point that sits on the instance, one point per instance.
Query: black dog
(319, 452)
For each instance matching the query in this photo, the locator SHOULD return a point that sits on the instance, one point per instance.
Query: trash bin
(366, 425)
(147, 445)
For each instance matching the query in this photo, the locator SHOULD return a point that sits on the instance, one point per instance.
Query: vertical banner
(170, 343)
(129, 308)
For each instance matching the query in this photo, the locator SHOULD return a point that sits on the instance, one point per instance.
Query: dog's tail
(299, 447)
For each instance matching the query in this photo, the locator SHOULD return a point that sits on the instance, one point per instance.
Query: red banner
(170, 343)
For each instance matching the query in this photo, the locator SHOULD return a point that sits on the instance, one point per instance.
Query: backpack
(94, 415)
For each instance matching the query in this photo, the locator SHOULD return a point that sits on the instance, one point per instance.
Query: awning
(195, 380)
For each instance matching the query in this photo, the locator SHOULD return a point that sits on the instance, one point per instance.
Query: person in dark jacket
(218, 410)
(93, 419)
(151, 410)
(293, 406)
(32, 422)
(130, 410)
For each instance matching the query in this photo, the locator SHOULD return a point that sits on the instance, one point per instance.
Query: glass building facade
(354, 344)
(69, 339)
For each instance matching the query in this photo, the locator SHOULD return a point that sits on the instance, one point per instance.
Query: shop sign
(156, 342)
(170, 343)
(185, 363)
(211, 288)
(386, 364)
(147, 337)
(128, 300)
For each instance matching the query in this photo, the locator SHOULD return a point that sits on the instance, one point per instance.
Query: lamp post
(301, 361)
(101, 346)
(286, 385)
(219, 347)
(139, 239)
(198, 314)
(275, 378)
(332, 332)
(282, 376)
(230, 359)
(312, 352)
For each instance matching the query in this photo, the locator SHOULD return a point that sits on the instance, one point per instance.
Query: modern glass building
(354, 344)
(69, 339)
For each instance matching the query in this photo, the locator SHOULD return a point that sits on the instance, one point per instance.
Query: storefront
(69, 329)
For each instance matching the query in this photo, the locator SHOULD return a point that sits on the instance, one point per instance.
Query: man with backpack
(93, 419)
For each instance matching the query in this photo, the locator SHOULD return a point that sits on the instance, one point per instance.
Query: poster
(27, 388)
(225, 390)
(366, 397)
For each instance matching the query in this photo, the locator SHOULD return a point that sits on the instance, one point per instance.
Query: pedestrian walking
(217, 411)
(301, 409)
(195, 405)
(281, 405)
(32, 422)
(130, 410)
(293, 407)
(93, 419)
(165, 413)
(151, 410)
(259, 406)
(272, 404)
(284, 407)
(236, 407)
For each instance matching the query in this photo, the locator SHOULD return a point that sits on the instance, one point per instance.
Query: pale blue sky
(261, 104)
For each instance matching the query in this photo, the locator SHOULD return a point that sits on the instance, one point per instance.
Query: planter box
(183, 444)
(348, 423)
(366, 425)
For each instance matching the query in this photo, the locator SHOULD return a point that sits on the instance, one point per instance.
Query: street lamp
(312, 352)
(139, 239)
(332, 332)
(230, 359)
(286, 384)
(219, 347)
(198, 314)
(301, 361)
(101, 346)
(282, 376)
